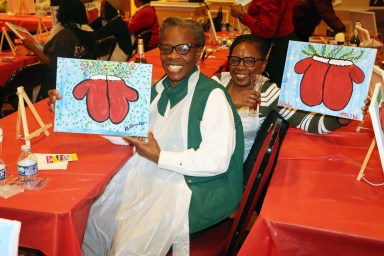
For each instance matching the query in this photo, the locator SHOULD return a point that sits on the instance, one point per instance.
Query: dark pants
(276, 62)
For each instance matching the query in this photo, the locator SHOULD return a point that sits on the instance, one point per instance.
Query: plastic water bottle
(27, 163)
(3, 173)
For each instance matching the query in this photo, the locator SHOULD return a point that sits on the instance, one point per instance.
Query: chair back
(261, 172)
(145, 35)
(29, 77)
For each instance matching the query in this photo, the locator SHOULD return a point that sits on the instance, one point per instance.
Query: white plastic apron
(150, 204)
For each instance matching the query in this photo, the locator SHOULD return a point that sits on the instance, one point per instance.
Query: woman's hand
(150, 149)
(237, 11)
(364, 110)
(29, 45)
(247, 98)
(53, 96)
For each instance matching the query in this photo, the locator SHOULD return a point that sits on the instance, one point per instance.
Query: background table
(54, 218)
(315, 205)
(28, 21)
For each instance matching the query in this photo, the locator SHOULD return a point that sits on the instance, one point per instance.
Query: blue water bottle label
(3, 175)
(27, 170)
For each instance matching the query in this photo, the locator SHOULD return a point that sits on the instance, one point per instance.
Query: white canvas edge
(373, 111)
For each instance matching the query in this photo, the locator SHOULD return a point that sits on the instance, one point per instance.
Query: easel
(22, 116)
(367, 157)
(213, 30)
(376, 95)
(41, 27)
(9, 40)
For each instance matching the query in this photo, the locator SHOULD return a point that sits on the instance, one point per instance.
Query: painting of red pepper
(328, 79)
(107, 97)
(103, 97)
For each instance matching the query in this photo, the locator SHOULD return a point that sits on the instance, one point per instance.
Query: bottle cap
(25, 147)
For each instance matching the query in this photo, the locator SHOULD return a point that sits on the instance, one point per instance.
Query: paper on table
(43, 165)
(243, 2)
(117, 140)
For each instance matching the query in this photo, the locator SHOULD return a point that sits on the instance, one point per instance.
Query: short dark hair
(145, 1)
(71, 12)
(187, 24)
(261, 45)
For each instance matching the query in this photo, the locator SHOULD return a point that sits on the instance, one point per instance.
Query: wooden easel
(22, 116)
(9, 40)
(367, 157)
(41, 27)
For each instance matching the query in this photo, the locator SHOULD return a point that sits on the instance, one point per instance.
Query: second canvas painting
(328, 79)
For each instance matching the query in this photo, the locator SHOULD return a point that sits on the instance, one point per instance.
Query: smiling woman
(188, 168)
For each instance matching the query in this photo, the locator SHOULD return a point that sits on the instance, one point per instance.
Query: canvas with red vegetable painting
(103, 97)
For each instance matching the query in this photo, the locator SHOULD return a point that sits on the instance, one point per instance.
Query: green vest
(213, 198)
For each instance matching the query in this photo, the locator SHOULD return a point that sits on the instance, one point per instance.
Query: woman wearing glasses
(247, 60)
(186, 173)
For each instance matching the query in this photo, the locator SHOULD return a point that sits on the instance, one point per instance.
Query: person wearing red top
(271, 20)
(145, 18)
(309, 13)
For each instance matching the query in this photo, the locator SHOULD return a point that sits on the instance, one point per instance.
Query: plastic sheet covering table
(315, 205)
(28, 21)
(54, 218)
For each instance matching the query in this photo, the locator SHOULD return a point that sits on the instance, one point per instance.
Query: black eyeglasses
(181, 49)
(248, 61)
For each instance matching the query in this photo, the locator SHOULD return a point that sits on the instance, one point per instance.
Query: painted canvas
(328, 79)
(376, 110)
(103, 97)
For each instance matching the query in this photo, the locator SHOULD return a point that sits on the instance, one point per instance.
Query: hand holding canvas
(53, 96)
(149, 149)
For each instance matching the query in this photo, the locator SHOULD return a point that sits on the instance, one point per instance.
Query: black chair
(257, 144)
(29, 77)
(146, 36)
(226, 237)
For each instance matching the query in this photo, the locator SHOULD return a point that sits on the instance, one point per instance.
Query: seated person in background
(3, 4)
(196, 146)
(309, 13)
(110, 24)
(144, 19)
(247, 57)
(68, 40)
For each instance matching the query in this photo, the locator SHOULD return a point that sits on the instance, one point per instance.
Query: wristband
(241, 17)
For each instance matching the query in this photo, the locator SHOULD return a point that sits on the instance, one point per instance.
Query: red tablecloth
(54, 218)
(315, 205)
(20, 60)
(27, 21)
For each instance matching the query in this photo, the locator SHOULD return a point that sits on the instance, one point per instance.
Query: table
(54, 218)
(28, 21)
(21, 59)
(315, 205)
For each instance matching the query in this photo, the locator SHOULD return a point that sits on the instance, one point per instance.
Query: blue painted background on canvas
(103, 97)
(334, 82)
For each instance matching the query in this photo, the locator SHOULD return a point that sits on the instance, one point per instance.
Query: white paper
(243, 2)
(117, 140)
(43, 165)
